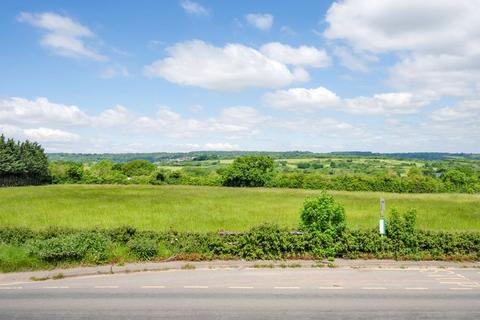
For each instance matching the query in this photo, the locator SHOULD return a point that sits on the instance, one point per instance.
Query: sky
(180, 75)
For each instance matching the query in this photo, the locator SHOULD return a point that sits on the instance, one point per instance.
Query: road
(250, 294)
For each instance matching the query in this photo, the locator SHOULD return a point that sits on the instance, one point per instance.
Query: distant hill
(213, 155)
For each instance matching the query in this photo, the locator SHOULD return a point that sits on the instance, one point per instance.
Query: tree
(22, 163)
(248, 171)
(323, 214)
(138, 168)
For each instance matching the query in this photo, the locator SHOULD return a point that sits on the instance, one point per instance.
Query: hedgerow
(263, 242)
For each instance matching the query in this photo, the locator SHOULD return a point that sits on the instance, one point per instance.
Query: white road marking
(374, 288)
(416, 288)
(460, 288)
(452, 282)
(12, 283)
(240, 287)
(330, 288)
(55, 287)
(153, 287)
(10, 288)
(106, 287)
(447, 279)
(286, 288)
(195, 287)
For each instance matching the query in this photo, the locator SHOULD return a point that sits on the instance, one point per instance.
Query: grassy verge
(208, 209)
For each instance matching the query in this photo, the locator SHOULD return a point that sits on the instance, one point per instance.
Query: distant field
(190, 208)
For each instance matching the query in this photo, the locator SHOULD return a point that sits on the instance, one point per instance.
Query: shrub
(138, 168)
(143, 248)
(401, 230)
(87, 246)
(122, 234)
(323, 214)
(248, 171)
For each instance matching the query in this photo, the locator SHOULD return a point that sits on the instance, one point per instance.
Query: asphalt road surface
(250, 294)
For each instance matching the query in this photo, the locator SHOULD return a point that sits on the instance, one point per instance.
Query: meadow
(203, 209)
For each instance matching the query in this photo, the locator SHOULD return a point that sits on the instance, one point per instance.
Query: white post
(381, 224)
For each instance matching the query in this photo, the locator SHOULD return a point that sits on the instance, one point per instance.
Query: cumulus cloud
(194, 8)
(232, 121)
(232, 67)
(349, 60)
(63, 36)
(437, 42)
(221, 146)
(50, 135)
(301, 56)
(40, 110)
(308, 100)
(117, 116)
(260, 21)
(321, 127)
(302, 99)
(467, 111)
(430, 25)
(40, 134)
(386, 103)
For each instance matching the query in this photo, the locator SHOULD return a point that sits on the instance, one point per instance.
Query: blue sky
(145, 76)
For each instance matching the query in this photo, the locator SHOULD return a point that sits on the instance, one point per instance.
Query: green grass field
(190, 208)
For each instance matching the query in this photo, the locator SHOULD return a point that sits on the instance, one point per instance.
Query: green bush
(14, 258)
(248, 171)
(86, 246)
(143, 248)
(323, 214)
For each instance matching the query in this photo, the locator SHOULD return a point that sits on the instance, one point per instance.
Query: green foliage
(15, 258)
(267, 241)
(86, 246)
(401, 229)
(248, 171)
(22, 163)
(144, 248)
(138, 168)
(323, 214)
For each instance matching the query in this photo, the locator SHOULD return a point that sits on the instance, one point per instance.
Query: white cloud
(63, 36)
(321, 128)
(221, 146)
(436, 42)
(41, 134)
(40, 110)
(464, 112)
(260, 21)
(451, 75)
(117, 116)
(308, 100)
(114, 72)
(387, 103)
(194, 8)
(302, 99)
(50, 135)
(349, 60)
(232, 67)
(301, 56)
(232, 121)
(429, 25)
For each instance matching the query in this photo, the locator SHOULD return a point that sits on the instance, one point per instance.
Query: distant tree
(22, 163)
(248, 171)
(138, 168)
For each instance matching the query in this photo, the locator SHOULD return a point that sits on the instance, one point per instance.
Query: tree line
(22, 163)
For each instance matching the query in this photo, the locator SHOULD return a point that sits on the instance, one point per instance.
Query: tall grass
(191, 208)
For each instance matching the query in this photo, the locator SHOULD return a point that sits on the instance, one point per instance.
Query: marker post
(381, 224)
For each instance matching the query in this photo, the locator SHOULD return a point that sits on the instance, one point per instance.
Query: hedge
(59, 245)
